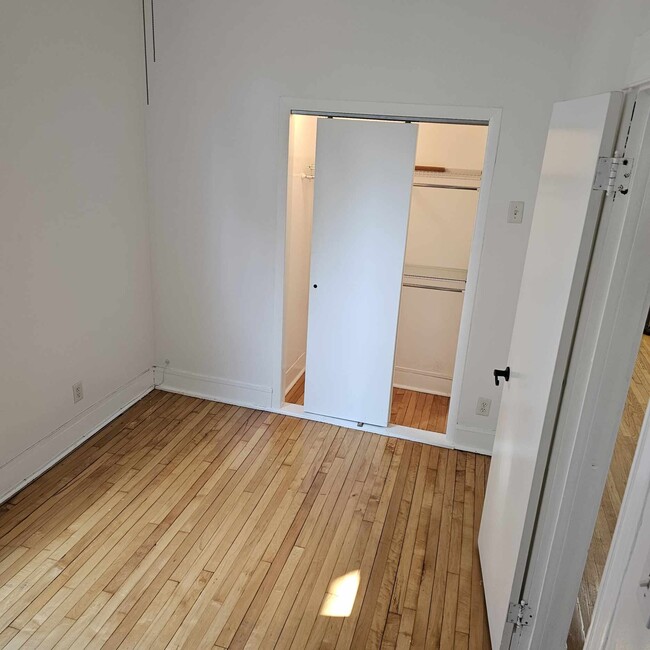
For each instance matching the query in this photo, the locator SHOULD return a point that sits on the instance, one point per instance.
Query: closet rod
(446, 187)
(426, 286)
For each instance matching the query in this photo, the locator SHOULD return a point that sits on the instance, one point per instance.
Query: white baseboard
(260, 397)
(294, 373)
(475, 439)
(423, 381)
(38, 458)
(214, 388)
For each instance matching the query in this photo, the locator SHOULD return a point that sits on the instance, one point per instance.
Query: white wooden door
(362, 196)
(564, 223)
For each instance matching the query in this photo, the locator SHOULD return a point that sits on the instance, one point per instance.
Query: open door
(362, 195)
(563, 230)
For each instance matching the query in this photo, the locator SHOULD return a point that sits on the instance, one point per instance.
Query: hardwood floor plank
(187, 523)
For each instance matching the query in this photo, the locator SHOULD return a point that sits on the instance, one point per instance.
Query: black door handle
(501, 373)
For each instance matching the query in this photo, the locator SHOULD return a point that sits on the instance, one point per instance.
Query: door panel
(564, 223)
(362, 195)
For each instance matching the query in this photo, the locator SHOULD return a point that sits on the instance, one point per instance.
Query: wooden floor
(193, 524)
(409, 408)
(626, 442)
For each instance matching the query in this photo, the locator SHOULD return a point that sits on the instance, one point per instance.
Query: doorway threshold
(392, 430)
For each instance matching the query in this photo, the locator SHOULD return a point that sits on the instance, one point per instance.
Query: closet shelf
(446, 178)
(449, 178)
(437, 278)
(435, 272)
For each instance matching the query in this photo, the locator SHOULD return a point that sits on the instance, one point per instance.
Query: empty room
(325, 325)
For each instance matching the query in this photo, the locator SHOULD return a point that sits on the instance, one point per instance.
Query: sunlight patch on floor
(341, 594)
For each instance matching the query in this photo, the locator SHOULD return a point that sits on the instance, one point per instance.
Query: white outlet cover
(516, 212)
(483, 406)
(77, 392)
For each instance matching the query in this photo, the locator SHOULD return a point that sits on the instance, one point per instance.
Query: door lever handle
(501, 373)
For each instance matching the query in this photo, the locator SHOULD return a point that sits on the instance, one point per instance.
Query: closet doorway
(444, 203)
(444, 177)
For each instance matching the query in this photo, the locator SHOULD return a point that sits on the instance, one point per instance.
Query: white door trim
(455, 114)
(614, 310)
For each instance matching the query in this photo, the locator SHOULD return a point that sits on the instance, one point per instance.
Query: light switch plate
(516, 212)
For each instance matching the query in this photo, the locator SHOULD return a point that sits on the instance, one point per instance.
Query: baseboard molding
(423, 381)
(294, 373)
(214, 388)
(475, 439)
(260, 397)
(38, 458)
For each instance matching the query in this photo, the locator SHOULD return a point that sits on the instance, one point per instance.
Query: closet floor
(410, 408)
(628, 435)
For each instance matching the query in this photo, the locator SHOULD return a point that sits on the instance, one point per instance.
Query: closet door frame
(486, 116)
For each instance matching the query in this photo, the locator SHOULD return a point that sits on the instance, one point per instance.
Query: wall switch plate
(78, 392)
(516, 212)
(483, 406)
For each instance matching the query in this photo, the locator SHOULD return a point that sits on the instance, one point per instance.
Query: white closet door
(564, 224)
(362, 196)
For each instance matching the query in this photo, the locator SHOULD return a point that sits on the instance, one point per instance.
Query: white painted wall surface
(214, 151)
(441, 226)
(75, 283)
(605, 56)
(300, 207)
(427, 340)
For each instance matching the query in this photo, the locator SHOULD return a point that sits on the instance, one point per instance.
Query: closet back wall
(214, 150)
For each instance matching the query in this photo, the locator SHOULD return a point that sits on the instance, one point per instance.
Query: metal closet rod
(434, 288)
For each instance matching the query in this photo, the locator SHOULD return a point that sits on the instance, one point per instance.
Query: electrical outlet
(483, 406)
(516, 212)
(78, 392)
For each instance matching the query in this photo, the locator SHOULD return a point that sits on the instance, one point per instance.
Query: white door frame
(614, 309)
(491, 117)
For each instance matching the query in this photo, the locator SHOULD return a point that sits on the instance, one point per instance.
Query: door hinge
(613, 174)
(520, 614)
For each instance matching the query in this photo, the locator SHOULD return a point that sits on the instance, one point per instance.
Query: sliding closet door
(362, 195)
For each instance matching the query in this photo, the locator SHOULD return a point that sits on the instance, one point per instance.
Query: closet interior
(444, 201)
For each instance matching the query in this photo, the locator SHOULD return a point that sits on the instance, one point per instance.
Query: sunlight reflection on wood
(341, 594)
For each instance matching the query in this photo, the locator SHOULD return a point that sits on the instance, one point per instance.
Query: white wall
(300, 208)
(605, 57)
(214, 154)
(75, 282)
(441, 227)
